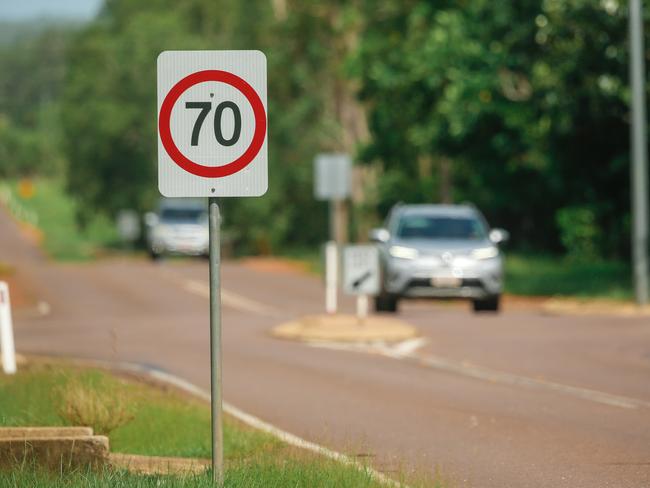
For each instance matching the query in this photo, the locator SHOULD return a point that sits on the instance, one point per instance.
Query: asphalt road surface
(520, 399)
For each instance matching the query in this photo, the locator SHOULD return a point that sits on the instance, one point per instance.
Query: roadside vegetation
(147, 420)
(440, 105)
(520, 108)
(50, 215)
(566, 277)
(51, 212)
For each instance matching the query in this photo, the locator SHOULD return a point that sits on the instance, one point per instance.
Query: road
(521, 399)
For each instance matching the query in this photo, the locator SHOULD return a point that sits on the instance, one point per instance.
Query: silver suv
(439, 251)
(179, 227)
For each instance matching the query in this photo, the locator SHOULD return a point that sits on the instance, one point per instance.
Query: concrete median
(345, 328)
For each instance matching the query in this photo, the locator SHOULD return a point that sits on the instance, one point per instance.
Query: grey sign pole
(639, 155)
(215, 340)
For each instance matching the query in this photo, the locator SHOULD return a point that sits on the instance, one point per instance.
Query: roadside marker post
(212, 142)
(331, 277)
(361, 275)
(333, 183)
(6, 331)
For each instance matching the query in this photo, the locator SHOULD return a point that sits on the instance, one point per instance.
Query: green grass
(557, 276)
(165, 423)
(52, 211)
(261, 473)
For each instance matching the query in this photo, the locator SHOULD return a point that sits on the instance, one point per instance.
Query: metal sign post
(639, 155)
(212, 142)
(215, 340)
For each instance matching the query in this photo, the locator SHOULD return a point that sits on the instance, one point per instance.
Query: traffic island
(346, 329)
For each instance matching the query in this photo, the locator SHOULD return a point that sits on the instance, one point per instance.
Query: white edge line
(247, 418)
(405, 351)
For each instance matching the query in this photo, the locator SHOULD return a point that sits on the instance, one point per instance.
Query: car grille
(426, 283)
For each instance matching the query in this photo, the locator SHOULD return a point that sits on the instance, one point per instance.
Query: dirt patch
(19, 293)
(276, 265)
(567, 306)
(32, 234)
(518, 302)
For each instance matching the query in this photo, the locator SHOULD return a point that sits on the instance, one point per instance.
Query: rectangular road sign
(332, 176)
(361, 270)
(212, 124)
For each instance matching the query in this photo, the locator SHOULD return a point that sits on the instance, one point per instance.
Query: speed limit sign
(212, 124)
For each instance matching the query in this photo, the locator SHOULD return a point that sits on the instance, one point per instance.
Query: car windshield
(183, 216)
(438, 227)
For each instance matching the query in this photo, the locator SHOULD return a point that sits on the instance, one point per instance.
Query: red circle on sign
(199, 169)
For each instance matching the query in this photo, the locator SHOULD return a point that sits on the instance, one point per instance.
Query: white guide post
(331, 277)
(362, 308)
(6, 331)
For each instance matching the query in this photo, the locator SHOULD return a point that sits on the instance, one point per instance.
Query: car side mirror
(499, 236)
(379, 235)
(151, 219)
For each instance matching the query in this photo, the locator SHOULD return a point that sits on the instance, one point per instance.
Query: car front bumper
(187, 246)
(464, 279)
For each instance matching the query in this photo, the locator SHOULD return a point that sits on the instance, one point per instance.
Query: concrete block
(54, 453)
(44, 432)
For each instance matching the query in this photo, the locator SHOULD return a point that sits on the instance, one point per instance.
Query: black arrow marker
(357, 283)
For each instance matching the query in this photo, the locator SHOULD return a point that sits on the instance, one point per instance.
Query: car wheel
(386, 303)
(489, 304)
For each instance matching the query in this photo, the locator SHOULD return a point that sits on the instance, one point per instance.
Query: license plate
(446, 282)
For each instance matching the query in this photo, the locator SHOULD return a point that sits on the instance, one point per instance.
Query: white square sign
(212, 124)
(361, 270)
(332, 176)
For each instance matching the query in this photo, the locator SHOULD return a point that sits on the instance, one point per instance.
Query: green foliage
(52, 213)
(31, 74)
(579, 232)
(555, 276)
(526, 98)
(110, 107)
(519, 107)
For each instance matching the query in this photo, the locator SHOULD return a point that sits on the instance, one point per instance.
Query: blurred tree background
(519, 107)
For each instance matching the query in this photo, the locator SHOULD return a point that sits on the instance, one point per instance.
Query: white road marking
(406, 351)
(482, 373)
(251, 420)
(233, 300)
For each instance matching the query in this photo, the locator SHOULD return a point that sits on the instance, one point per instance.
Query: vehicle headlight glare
(403, 252)
(485, 253)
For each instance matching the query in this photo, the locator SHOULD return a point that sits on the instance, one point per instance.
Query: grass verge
(160, 422)
(44, 205)
(259, 473)
(557, 276)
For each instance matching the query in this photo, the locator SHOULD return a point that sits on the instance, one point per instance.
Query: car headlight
(403, 252)
(485, 253)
